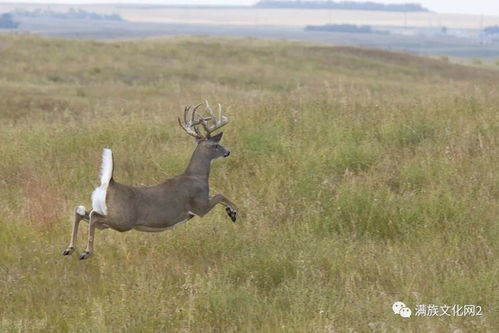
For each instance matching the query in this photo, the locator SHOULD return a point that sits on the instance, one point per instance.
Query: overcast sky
(486, 7)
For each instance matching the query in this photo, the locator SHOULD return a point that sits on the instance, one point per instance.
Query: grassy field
(363, 178)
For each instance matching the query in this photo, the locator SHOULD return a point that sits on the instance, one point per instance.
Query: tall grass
(363, 178)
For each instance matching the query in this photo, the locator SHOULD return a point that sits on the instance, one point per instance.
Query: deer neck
(199, 165)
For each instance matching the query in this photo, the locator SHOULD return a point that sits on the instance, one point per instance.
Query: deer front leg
(80, 214)
(91, 232)
(230, 208)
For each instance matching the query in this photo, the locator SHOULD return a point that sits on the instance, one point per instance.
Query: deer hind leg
(93, 221)
(79, 214)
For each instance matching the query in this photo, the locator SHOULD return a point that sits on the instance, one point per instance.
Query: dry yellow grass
(363, 178)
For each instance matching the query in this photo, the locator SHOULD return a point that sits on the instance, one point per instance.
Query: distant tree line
(7, 22)
(493, 30)
(351, 28)
(70, 14)
(344, 5)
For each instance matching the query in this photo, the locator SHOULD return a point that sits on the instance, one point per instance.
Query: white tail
(106, 173)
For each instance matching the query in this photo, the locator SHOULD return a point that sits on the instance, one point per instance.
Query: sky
(485, 7)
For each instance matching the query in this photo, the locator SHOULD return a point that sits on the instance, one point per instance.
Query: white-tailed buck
(159, 207)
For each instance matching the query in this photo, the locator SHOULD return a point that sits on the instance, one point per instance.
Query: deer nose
(227, 153)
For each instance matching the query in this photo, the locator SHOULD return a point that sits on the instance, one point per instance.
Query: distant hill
(70, 14)
(343, 5)
(492, 30)
(349, 28)
(6, 22)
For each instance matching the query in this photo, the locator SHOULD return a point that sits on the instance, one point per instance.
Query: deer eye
(217, 146)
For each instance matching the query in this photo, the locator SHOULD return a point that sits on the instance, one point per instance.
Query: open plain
(363, 178)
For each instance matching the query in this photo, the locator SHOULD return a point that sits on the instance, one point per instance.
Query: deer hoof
(232, 214)
(68, 251)
(85, 255)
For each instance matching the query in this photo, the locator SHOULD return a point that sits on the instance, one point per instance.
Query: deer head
(208, 145)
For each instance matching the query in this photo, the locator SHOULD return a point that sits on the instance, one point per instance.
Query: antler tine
(221, 114)
(186, 122)
(186, 112)
(194, 112)
(209, 108)
(197, 121)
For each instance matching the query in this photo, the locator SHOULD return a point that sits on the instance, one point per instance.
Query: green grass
(363, 178)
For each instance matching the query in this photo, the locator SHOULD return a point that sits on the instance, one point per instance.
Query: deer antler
(190, 125)
(221, 121)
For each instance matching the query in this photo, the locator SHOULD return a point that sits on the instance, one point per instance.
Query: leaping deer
(163, 206)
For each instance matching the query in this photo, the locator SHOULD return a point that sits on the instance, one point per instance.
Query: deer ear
(217, 138)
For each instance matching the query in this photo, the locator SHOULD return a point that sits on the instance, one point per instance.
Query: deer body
(154, 208)
(159, 207)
